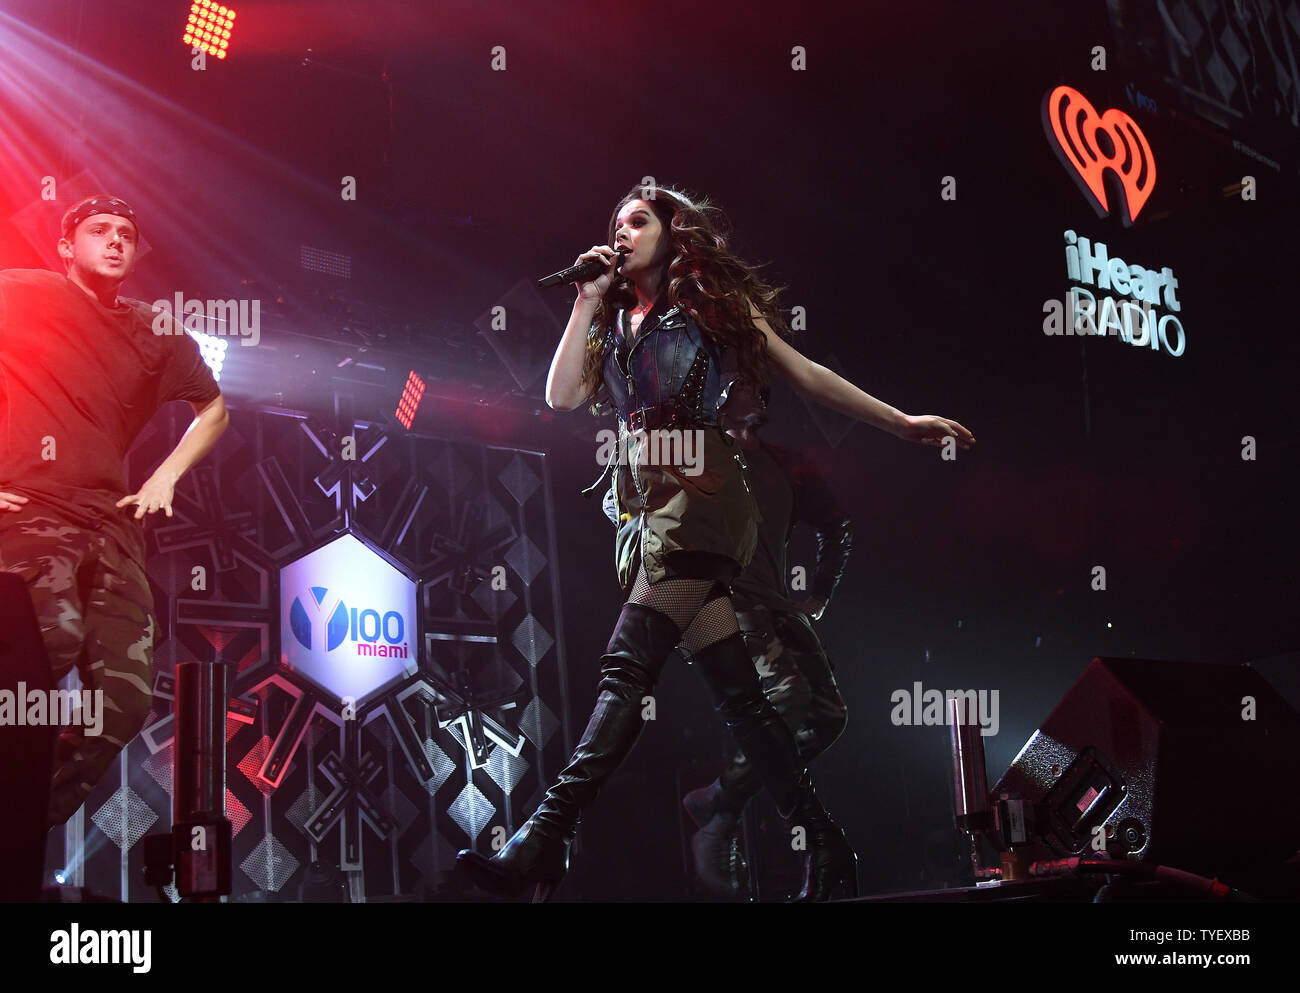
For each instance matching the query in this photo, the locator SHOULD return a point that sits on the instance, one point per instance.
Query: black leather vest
(670, 361)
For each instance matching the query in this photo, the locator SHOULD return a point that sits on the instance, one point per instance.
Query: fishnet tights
(702, 608)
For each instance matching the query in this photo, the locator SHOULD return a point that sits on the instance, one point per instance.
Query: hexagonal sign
(347, 620)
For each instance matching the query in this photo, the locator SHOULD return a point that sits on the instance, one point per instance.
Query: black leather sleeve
(815, 505)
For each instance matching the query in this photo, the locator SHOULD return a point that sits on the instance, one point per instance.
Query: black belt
(662, 415)
(648, 419)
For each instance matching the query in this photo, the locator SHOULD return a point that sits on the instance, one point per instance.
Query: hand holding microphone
(593, 271)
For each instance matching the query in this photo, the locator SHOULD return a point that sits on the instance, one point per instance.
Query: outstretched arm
(830, 390)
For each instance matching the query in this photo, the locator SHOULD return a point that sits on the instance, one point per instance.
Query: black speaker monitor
(1189, 765)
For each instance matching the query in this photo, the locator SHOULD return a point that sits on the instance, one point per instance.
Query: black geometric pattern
(439, 762)
(1233, 61)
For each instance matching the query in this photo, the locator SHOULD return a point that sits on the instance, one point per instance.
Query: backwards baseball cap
(99, 204)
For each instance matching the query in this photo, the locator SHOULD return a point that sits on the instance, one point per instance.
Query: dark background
(967, 574)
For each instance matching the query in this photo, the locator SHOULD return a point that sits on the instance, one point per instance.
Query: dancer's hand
(11, 501)
(596, 288)
(154, 495)
(931, 429)
(813, 608)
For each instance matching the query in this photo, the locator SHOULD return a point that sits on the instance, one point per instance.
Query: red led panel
(208, 26)
(410, 402)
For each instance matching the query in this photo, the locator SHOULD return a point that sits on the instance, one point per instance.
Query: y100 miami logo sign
(348, 620)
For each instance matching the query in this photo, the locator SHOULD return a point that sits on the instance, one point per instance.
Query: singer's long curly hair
(702, 277)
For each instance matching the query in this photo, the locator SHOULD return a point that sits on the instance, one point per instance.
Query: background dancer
(81, 373)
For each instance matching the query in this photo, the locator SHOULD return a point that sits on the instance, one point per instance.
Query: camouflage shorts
(798, 680)
(95, 609)
(796, 674)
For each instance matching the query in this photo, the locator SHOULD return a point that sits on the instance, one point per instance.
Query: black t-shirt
(80, 380)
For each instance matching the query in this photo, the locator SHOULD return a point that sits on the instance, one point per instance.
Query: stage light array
(410, 401)
(321, 260)
(209, 27)
(212, 349)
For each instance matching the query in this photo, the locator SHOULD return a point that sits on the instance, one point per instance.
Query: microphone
(582, 272)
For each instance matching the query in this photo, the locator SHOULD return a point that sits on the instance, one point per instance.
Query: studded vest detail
(670, 361)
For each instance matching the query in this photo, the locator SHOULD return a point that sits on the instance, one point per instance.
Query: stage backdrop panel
(389, 610)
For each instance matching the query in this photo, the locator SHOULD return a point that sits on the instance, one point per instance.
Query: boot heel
(845, 888)
(830, 871)
(532, 858)
(545, 890)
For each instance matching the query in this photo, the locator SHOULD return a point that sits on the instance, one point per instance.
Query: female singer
(661, 336)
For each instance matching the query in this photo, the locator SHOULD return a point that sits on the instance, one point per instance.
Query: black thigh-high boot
(830, 866)
(539, 851)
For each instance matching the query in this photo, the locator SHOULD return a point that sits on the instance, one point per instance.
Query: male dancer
(81, 373)
(797, 676)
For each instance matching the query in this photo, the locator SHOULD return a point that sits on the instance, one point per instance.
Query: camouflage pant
(798, 680)
(96, 613)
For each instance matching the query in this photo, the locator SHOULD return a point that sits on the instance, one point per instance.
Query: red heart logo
(1090, 143)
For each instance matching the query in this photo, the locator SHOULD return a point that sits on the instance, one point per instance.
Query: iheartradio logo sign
(1089, 143)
